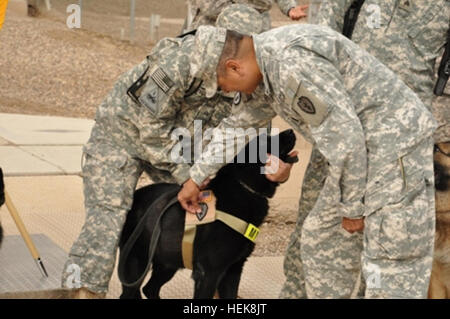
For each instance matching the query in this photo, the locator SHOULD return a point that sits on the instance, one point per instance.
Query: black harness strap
(159, 206)
(444, 69)
(350, 18)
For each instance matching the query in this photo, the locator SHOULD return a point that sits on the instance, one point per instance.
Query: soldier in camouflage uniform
(376, 137)
(407, 36)
(133, 132)
(207, 11)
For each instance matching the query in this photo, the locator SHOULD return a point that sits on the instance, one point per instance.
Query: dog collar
(250, 189)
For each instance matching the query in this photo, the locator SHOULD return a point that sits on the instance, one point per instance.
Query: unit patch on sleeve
(306, 105)
(154, 91)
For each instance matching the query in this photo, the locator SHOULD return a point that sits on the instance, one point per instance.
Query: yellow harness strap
(248, 230)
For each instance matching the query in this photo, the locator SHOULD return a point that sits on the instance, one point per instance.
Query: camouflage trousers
(441, 112)
(110, 176)
(394, 254)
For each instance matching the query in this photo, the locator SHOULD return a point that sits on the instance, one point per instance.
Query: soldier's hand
(282, 169)
(188, 197)
(353, 225)
(298, 12)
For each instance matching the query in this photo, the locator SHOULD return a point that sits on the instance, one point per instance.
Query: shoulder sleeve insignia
(308, 105)
(151, 89)
(150, 98)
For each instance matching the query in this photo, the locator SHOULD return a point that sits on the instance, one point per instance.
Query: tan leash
(25, 235)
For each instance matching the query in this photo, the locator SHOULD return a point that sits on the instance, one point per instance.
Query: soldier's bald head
(231, 50)
(237, 69)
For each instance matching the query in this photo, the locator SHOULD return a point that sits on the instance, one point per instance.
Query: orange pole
(25, 235)
(3, 5)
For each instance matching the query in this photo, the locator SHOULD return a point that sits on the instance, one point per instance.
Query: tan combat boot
(84, 293)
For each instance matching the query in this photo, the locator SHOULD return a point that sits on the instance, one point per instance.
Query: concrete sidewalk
(40, 157)
(41, 145)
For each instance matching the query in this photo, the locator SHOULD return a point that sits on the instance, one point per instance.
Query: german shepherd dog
(2, 201)
(440, 276)
(219, 252)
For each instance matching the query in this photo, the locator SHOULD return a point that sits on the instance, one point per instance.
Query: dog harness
(210, 214)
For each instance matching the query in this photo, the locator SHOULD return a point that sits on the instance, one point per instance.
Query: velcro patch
(151, 97)
(310, 108)
(208, 214)
(162, 79)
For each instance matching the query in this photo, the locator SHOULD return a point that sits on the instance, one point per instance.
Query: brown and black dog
(440, 276)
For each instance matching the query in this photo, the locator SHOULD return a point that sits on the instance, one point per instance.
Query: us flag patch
(162, 80)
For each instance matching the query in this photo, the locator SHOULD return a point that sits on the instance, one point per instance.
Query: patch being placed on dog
(207, 202)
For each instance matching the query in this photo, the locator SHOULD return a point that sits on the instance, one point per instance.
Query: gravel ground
(48, 69)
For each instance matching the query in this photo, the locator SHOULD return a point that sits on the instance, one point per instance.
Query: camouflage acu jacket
(357, 111)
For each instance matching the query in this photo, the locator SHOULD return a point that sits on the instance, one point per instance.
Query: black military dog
(2, 201)
(219, 251)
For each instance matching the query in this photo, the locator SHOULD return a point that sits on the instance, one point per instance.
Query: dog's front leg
(205, 284)
(229, 285)
(131, 292)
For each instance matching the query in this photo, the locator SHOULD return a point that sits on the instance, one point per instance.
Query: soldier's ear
(233, 66)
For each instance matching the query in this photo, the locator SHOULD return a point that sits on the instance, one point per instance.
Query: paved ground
(40, 156)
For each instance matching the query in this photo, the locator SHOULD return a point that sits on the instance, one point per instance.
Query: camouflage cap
(209, 42)
(241, 18)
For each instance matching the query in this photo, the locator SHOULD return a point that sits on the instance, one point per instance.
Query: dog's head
(442, 166)
(249, 164)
